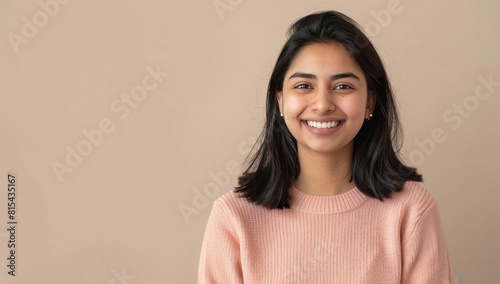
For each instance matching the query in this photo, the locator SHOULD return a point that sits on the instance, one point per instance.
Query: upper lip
(323, 119)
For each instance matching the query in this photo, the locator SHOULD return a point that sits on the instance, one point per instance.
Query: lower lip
(322, 131)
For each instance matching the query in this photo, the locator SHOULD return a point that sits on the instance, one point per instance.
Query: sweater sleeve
(425, 254)
(220, 254)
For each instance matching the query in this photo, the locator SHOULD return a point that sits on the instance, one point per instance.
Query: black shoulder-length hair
(377, 170)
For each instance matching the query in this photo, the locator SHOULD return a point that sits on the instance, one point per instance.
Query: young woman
(325, 198)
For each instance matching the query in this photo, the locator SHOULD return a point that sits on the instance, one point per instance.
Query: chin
(328, 147)
(324, 149)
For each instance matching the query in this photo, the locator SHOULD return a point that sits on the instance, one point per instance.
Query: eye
(303, 86)
(342, 87)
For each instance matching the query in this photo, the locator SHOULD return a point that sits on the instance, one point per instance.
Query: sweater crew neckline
(326, 204)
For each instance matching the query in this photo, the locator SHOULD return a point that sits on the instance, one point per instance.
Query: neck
(325, 174)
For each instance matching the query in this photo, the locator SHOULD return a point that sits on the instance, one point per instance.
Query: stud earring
(370, 116)
(281, 114)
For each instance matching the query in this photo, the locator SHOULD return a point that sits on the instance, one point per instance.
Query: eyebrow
(333, 77)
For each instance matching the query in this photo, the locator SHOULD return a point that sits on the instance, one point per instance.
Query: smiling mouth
(323, 125)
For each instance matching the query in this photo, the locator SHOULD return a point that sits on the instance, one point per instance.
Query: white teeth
(329, 124)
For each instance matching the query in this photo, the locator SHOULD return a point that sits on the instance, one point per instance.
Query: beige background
(116, 217)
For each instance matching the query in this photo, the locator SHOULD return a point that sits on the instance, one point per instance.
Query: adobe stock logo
(120, 277)
(220, 180)
(30, 27)
(223, 6)
(382, 18)
(454, 115)
(121, 106)
(301, 272)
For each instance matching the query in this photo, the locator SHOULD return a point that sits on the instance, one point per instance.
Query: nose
(322, 100)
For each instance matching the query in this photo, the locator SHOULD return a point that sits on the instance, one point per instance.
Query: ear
(370, 103)
(279, 97)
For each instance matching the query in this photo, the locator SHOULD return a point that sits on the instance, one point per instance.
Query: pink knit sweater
(347, 238)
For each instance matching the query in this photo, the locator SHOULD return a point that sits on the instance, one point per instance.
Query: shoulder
(232, 200)
(407, 205)
(232, 204)
(413, 196)
(414, 193)
(416, 207)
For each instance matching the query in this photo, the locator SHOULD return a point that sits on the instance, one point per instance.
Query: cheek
(294, 105)
(354, 108)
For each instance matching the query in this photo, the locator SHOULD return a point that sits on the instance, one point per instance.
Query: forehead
(325, 59)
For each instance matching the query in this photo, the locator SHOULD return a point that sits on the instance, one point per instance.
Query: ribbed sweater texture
(346, 238)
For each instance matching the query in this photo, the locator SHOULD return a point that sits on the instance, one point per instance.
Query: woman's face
(325, 99)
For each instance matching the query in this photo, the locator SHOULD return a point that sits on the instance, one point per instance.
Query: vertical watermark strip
(11, 223)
